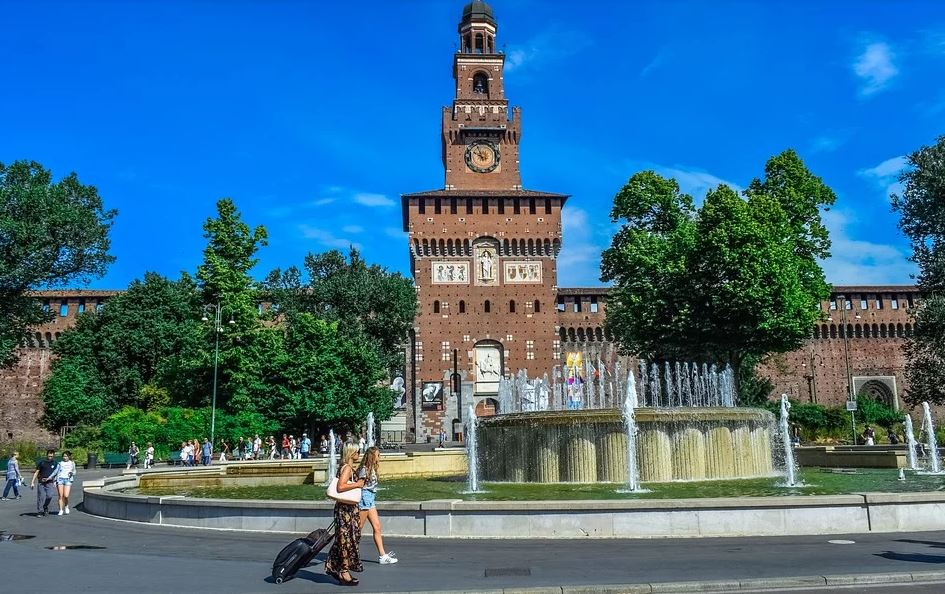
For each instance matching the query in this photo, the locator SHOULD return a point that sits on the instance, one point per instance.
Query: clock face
(482, 156)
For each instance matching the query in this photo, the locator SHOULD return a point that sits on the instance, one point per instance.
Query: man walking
(46, 471)
(306, 445)
(206, 452)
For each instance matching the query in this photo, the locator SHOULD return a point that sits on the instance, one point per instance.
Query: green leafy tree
(731, 281)
(224, 281)
(126, 349)
(921, 208)
(51, 233)
(74, 395)
(324, 377)
(370, 303)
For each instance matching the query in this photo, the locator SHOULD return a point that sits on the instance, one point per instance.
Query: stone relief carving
(522, 272)
(445, 273)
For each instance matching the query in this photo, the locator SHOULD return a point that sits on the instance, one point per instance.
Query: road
(161, 559)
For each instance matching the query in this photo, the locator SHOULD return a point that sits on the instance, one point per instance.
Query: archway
(487, 407)
(878, 391)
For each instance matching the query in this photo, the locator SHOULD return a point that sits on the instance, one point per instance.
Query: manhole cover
(508, 571)
(4, 537)
(74, 548)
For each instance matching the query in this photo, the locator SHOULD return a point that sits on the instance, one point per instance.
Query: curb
(751, 584)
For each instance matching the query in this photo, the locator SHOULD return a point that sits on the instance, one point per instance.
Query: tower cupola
(477, 29)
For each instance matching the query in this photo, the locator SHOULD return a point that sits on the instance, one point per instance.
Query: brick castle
(483, 254)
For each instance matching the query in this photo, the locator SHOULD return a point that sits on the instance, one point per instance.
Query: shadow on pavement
(931, 543)
(914, 557)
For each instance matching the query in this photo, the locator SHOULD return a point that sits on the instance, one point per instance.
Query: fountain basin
(589, 446)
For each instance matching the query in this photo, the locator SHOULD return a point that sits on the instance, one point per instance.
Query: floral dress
(344, 554)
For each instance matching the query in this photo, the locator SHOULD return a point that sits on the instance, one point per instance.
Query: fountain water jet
(630, 424)
(332, 462)
(910, 441)
(370, 430)
(931, 442)
(789, 465)
(472, 454)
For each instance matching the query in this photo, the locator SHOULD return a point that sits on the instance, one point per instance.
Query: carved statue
(486, 266)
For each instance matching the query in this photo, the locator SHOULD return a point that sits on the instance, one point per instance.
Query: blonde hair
(371, 462)
(348, 453)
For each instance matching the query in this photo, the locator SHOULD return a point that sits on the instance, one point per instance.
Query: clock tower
(483, 251)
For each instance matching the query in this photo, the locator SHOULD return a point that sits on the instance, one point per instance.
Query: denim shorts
(367, 500)
(64, 481)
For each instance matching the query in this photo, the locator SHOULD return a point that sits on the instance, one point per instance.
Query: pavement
(145, 558)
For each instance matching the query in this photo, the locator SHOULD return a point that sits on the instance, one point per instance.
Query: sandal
(351, 581)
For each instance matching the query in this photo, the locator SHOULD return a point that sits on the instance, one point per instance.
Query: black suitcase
(300, 552)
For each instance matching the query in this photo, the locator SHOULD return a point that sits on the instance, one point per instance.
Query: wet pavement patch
(508, 572)
(74, 548)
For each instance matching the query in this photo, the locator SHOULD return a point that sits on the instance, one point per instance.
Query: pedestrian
(869, 436)
(892, 437)
(361, 445)
(183, 453)
(344, 556)
(367, 472)
(190, 448)
(224, 450)
(133, 455)
(46, 472)
(285, 446)
(240, 446)
(257, 443)
(305, 448)
(149, 456)
(273, 450)
(338, 443)
(64, 481)
(293, 447)
(206, 452)
(323, 445)
(14, 478)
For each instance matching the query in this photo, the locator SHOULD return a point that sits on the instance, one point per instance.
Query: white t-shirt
(256, 443)
(149, 453)
(67, 470)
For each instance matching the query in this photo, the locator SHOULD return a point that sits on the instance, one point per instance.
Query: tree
(127, 349)
(369, 303)
(224, 281)
(74, 395)
(921, 208)
(322, 376)
(51, 233)
(729, 282)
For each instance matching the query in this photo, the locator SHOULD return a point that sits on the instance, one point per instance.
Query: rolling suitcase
(300, 552)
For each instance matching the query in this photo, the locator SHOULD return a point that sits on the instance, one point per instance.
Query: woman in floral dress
(344, 556)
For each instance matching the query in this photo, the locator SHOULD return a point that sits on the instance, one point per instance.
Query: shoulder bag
(351, 496)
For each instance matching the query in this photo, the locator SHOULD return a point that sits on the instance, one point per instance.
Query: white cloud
(327, 238)
(886, 174)
(655, 63)
(353, 229)
(875, 67)
(367, 199)
(395, 232)
(547, 47)
(323, 201)
(859, 262)
(695, 182)
(827, 143)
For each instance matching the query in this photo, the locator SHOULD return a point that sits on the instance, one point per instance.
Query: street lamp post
(217, 330)
(851, 393)
(812, 375)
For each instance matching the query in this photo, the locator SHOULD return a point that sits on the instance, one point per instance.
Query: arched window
(875, 331)
(882, 330)
(833, 330)
(563, 333)
(571, 336)
(908, 330)
(858, 331)
(436, 307)
(600, 334)
(580, 335)
(512, 306)
(462, 306)
(816, 331)
(537, 306)
(590, 335)
(900, 331)
(49, 339)
(487, 307)
(824, 332)
(480, 83)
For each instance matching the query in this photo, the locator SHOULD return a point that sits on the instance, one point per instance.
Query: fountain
(934, 462)
(370, 429)
(630, 424)
(687, 427)
(910, 441)
(472, 455)
(332, 461)
(790, 467)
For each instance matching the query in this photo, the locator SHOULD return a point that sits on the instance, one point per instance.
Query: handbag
(352, 496)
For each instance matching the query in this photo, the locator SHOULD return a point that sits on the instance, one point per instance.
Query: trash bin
(92, 461)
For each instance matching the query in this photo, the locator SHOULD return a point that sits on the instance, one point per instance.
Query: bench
(173, 459)
(113, 459)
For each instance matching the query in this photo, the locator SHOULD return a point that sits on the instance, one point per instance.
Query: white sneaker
(387, 559)
(67, 509)
(60, 513)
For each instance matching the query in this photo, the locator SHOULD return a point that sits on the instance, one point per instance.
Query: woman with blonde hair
(367, 473)
(344, 556)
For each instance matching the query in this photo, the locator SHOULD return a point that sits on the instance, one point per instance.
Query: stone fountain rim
(642, 415)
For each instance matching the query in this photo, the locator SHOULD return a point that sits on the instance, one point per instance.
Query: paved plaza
(147, 558)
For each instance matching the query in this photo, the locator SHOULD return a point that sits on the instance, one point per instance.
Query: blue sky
(315, 116)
